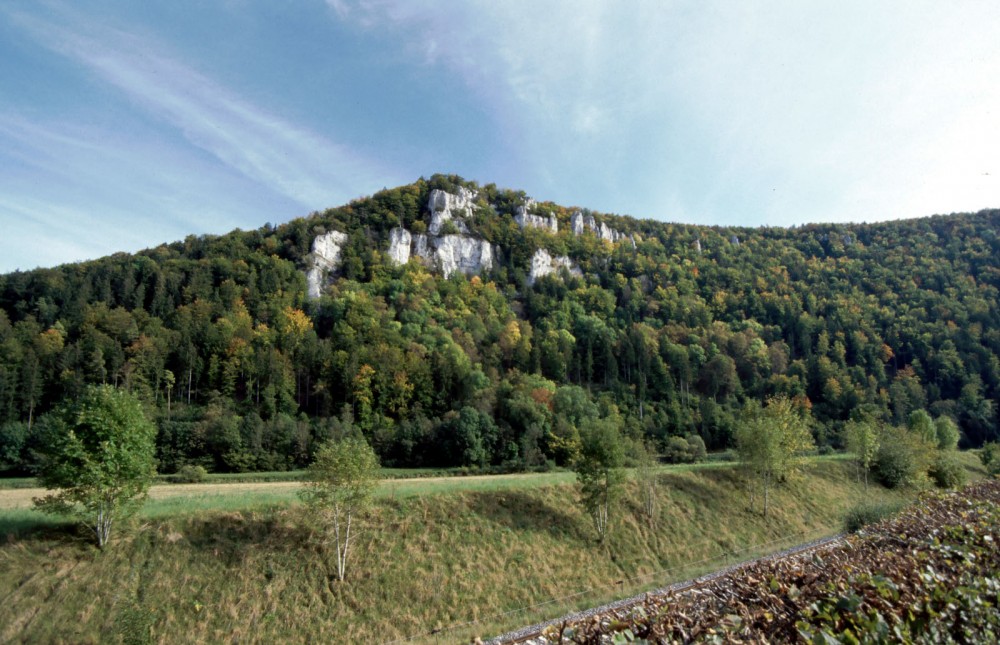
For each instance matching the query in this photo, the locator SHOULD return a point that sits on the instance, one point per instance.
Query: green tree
(647, 461)
(99, 456)
(947, 433)
(990, 456)
(921, 424)
(599, 471)
(862, 439)
(339, 487)
(769, 442)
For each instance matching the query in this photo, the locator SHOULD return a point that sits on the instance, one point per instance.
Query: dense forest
(669, 336)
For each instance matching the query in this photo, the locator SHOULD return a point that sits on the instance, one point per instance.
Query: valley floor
(462, 563)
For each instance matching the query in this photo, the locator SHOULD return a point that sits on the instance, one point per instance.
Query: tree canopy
(678, 332)
(99, 458)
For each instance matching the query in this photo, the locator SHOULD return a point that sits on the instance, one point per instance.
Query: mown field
(243, 567)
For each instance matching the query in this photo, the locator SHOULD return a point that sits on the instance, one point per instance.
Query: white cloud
(738, 112)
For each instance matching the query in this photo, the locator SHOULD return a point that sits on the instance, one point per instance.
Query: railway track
(533, 634)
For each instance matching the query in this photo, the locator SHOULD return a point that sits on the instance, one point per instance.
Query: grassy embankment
(186, 573)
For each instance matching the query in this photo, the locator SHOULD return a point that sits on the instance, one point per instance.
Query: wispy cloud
(730, 112)
(290, 160)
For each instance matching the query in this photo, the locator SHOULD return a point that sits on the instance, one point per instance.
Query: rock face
(399, 245)
(445, 207)
(542, 263)
(462, 253)
(580, 223)
(450, 253)
(525, 219)
(325, 259)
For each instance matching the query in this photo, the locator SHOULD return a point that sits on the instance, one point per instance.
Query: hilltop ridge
(459, 324)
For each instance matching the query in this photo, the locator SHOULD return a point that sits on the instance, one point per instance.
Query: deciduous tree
(339, 487)
(769, 442)
(599, 470)
(99, 459)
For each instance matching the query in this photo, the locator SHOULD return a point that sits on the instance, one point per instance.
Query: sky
(124, 125)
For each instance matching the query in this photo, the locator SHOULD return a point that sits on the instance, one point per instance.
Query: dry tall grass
(429, 563)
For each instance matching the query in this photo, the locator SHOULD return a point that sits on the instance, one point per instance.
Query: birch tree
(769, 441)
(600, 471)
(862, 442)
(339, 487)
(99, 457)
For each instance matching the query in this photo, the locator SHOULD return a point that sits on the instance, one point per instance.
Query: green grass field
(439, 553)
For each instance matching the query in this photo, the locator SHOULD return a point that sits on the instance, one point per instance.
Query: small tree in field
(600, 471)
(339, 487)
(769, 442)
(862, 438)
(100, 458)
(646, 462)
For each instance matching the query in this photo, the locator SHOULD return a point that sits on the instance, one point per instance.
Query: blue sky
(125, 124)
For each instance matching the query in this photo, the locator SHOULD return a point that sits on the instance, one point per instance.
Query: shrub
(947, 472)
(684, 450)
(189, 475)
(697, 444)
(990, 456)
(903, 458)
(865, 513)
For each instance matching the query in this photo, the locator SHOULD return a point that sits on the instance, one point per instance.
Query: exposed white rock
(580, 223)
(542, 263)
(734, 240)
(445, 207)
(325, 258)
(399, 245)
(421, 247)
(697, 245)
(525, 219)
(469, 255)
(450, 253)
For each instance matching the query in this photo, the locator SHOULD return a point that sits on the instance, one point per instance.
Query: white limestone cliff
(525, 219)
(326, 251)
(445, 207)
(581, 223)
(542, 264)
(400, 240)
(468, 255)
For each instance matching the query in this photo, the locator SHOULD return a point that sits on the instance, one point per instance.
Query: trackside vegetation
(429, 562)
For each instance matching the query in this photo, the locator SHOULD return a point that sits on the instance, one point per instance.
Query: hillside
(502, 558)
(459, 324)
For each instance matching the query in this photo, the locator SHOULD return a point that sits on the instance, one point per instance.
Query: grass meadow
(459, 556)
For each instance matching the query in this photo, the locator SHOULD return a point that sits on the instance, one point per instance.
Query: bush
(867, 513)
(990, 456)
(903, 458)
(189, 475)
(947, 472)
(684, 450)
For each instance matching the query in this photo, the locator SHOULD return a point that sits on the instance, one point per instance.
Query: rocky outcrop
(581, 223)
(542, 263)
(734, 240)
(448, 207)
(324, 260)
(469, 255)
(400, 240)
(525, 219)
(450, 252)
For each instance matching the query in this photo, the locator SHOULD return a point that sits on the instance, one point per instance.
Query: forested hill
(668, 329)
